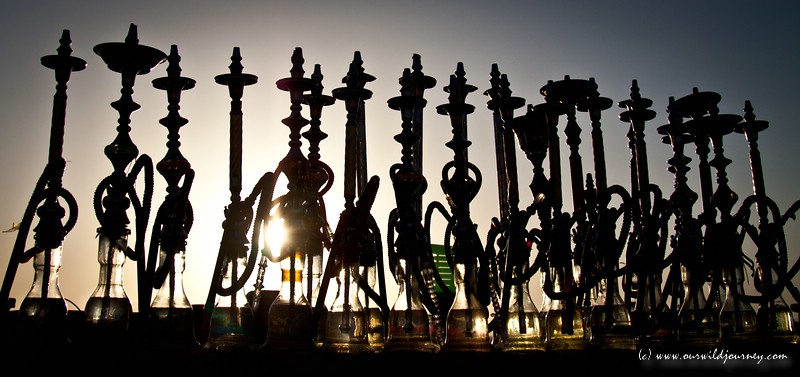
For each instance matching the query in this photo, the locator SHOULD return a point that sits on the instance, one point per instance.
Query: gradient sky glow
(743, 50)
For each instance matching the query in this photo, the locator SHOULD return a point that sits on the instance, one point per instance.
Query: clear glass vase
(108, 310)
(231, 326)
(564, 325)
(43, 311)
(290, 315)
(737, 319)
(523, 325)
(171, 322)
(409, 324)
(346, 325)
(467, 320)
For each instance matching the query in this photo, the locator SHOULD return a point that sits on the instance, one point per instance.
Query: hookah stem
(598, 149)
(502, 170)
(361, 148)
(704, 170)
(351, 154)
(575, 161)
(235, 168)
(353, 160)
(512, 197)
(362, 182)
(499, 143)
(756, 170)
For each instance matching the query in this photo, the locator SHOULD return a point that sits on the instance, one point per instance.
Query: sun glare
(274, 236)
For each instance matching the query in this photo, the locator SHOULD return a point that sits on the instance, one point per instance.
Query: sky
(743, 50)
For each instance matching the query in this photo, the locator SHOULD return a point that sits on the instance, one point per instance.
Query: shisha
(410, 259)
(109, 307)
(652, 318)
(578, 252)
(320, 180)
(461, 181)
(510, 272)
(609, 319)
(349, 325)
(171, 310)
(291, 317)
(44, 305)
(702, 258)
(523, 330)
(231, 326)
(564, 324)
(774, 276)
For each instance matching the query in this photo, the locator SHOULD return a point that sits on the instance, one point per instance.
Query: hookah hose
(179, 210)
(770, 232)
(238, 218)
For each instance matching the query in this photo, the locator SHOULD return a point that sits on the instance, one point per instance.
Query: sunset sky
(743, 50)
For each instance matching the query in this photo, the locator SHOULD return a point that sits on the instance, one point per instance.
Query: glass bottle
(43, 311)
(315, 274)
(697, 327)
(231, 328)
(653, 319)
(467, 323)
(108, 310)
(564, 326)
(290, 315)
(346, 326)
(737, 319)
(545, 307)
(523, 325)
(610, 319)
(409, 326)
(376, 333)
(171, 313)
(775, 319)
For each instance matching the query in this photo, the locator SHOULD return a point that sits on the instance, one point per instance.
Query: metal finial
(297, 63)
(133, 35)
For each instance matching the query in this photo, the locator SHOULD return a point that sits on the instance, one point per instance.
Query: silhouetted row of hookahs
(682, 283)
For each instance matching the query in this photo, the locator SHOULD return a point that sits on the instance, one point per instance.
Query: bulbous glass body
(376, 331)
(653, 319)
(108, 310)
(409, 325)
(697, 326)
(467, 323)
(231, 328)
(737, 319)
(775, 319)
(523, 325)
(610, 319)
(346, 325)
(171, 321)
(564, 326)
(290, 315)
(43, 311)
